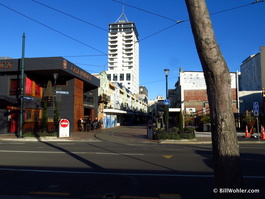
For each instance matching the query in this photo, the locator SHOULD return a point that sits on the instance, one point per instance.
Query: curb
(48, 139)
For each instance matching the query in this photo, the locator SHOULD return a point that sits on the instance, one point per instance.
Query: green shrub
(175, 134)
(163, 135)
(189, 130)
(205, 119)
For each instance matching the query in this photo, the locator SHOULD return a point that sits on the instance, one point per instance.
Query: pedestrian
(95, 123)
(88, 124)
(80, 124)
(100, 122)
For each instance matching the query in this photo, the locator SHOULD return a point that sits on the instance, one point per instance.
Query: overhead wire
(180, 21)
(146, 11)
(82, 55)
(237, 7)
(173, 77)
(159, 15)
(53, 29)
(55, 9)
(89, 65)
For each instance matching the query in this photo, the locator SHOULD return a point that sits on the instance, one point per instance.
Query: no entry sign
(64, 123)
(64, 128)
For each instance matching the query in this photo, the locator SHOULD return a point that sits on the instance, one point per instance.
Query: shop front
(46, 98)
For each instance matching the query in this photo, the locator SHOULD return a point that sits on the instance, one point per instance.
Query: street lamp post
(22, 87)
(166, 105)
(55, 77)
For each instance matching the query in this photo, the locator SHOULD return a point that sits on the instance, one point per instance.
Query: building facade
(123, 54)
(74, 92)
(192, 99)
(252, 81)
(118, 105)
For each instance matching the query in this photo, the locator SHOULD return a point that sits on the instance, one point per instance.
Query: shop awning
(114, 111)
(174, 110)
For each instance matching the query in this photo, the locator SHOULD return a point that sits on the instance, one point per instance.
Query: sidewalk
(75, 136)
(126, 135)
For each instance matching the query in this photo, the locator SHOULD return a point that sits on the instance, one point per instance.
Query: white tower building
(123, 54)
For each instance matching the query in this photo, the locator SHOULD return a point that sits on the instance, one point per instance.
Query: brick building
(191, 95)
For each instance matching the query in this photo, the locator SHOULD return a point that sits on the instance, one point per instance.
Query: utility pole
(22, 86)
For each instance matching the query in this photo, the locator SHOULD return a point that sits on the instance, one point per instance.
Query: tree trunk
(226, 157)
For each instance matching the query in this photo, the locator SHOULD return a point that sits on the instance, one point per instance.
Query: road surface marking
(69, 152)
(168, 156)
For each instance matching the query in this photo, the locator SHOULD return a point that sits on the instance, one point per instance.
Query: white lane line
(9, 143)
(62, 152)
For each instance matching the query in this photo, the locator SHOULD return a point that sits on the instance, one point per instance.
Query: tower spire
(122, 17)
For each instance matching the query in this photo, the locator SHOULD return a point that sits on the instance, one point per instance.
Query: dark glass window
(109, 77)
(121, 77)
(115, 77)
(14, 85)
(128, 76)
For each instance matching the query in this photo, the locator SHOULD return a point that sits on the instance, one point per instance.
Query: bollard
(150, 130)
(262, 132)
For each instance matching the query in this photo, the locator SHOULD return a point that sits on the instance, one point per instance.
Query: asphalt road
(108, 170)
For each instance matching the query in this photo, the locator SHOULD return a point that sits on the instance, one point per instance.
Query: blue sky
(239, 32)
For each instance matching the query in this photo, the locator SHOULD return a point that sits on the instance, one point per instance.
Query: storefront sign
(5, 65)
(81, 72)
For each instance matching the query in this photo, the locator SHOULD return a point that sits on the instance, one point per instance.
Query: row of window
(114, 77)
(31, 88)
(121, 25)
(122, 30)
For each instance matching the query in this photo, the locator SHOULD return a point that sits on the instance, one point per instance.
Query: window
(14, 85)
(28, 115)
(127, 29)
(127, 25)
(37, 90)
(88, 97)
(128, 76)
(29, 84)
(121, 77)
(109, 77)
(32, 115)
(115, 77)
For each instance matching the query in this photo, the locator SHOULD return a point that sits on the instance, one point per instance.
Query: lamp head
(166, 71)
(55, 76)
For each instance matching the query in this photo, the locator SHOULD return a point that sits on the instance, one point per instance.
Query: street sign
(62, 92)
(64, 128)
(166, 101)
(64, 123)
(256, 109)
